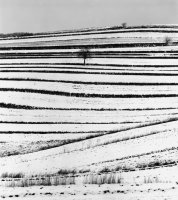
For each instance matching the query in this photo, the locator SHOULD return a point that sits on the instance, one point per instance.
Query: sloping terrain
(118, 114)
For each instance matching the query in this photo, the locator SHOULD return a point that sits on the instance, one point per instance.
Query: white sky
(53, 15)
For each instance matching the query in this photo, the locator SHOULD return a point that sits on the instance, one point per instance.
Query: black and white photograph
(89, 99)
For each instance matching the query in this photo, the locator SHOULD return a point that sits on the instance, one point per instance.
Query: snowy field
(87, 192)
(104, 130)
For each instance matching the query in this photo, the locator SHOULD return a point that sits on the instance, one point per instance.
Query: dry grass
(66, 172)
(152, 180)
(99, 179)
(12, 175)
(44, 181)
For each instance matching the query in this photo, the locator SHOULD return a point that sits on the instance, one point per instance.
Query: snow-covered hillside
(116, 116)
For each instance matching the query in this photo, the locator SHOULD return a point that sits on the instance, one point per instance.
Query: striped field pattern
(119, 111)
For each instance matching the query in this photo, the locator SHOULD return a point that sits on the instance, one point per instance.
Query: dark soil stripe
(104, 52)
(50, 132)
(94, 64)
(93, 31)
(85, 95)
(68, 123)
(84, 68)
(84, 72)
(108, 57)
(80, 68)
(90, 83)
(84, 46)
(139, 155)
(25, 107)
(88, 32)
(100, 132)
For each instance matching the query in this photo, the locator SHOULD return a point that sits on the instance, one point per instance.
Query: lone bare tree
(167, 41)
(124, 25)
(84, 53)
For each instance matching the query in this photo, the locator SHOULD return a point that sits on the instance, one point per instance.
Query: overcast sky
(53, 15)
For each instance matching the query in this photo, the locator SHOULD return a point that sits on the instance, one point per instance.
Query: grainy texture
(110, 121)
